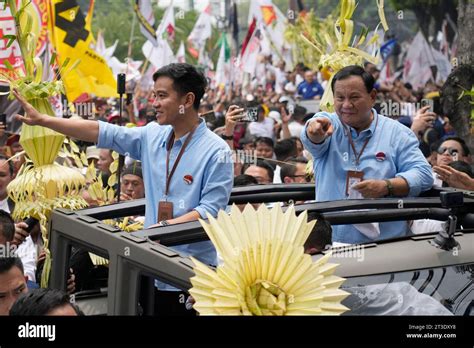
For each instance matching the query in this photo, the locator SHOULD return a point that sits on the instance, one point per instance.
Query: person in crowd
(264, 148)
(245, 180)
(283, 150)
(299, 146)
(310, 87)
(28, 257)
(454, 178)
(7, 172)
(360, 154)
(233, 115)
(261, 171)
(263, 127)
(132, 186)
(294, 171)
(105, 160)
(44, 302)
(451, 149)
(12, 282)
(320, 236)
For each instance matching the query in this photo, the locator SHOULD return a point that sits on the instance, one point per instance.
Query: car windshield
(435, 291)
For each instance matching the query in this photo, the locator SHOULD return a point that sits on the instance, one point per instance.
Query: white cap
(275, 115)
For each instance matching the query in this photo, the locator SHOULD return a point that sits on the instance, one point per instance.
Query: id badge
(165, 211)
(353, 177)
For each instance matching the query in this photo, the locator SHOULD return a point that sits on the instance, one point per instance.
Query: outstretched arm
(85, 130)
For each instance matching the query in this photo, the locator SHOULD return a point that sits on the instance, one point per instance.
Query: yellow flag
(72, 37)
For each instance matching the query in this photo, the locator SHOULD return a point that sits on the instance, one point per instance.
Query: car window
(436, 291)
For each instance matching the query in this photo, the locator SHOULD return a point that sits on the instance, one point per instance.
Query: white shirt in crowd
(4, 205)
(28, 252)
(262, 129)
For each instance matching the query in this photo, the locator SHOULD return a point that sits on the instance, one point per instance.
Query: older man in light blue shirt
(361, 154)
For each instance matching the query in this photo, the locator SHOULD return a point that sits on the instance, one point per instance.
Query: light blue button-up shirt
(399, 156)
(207, 159)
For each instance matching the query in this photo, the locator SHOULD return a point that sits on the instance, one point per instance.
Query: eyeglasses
(451, 151)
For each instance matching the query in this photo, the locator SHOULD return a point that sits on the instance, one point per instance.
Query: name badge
(165, 211)
(353, 177)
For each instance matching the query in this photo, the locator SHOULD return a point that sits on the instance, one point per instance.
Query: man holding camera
(361, 154)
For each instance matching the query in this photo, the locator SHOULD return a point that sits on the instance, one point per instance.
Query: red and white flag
(181, 54)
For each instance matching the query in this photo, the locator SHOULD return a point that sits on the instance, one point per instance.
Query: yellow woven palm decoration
(346, 49)
(41, 185)
(265, 270)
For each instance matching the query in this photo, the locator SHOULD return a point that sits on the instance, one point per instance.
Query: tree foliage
(430, 13)
(115, 19)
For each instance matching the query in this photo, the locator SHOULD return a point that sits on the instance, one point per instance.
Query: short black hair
(244, 180)
(321, 234)
(41, 302)
(7, 263)
(289, 169)
(285, 148)
(465, 148)
(7, 226)
(186, 78)
(11, 168)
(265, 140)
(354, 70)
(133, 169)
(262, 164)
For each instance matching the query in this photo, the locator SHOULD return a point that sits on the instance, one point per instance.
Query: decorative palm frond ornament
(346, 49)
(41, 185)
(265, 270)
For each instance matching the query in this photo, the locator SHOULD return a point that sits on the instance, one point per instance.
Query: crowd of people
(188, 145)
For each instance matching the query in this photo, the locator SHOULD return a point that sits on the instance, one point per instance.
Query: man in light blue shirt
(202, 180)
(360, 154)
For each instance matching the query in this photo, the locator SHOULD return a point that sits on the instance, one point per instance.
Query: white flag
(222, 77)
(443, 64)
(146, 18)
(418, 60)
(249, 58)
(181, 54)
(202, 29)
(274, 24)
(167, 28)
(159, 56)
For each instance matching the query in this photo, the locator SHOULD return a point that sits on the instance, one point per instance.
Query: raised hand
(33, 117)
(319, 129)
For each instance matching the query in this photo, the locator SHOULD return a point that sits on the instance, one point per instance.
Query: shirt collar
(370, 131)
(200, 130)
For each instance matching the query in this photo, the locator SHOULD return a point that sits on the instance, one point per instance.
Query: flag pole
(132, 31)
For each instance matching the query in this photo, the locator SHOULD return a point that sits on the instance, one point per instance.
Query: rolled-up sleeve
(217, 184)
(126, 141)
(412, 165)
(316, 150)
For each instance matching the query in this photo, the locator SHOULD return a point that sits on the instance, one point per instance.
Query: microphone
(121, 84)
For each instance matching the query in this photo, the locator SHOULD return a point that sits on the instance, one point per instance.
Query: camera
(31, 222)
(209, 117)
(250, 115)
(427, 102)
(451, 199)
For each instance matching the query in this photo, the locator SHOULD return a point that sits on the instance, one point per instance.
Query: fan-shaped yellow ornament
(265, 270)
